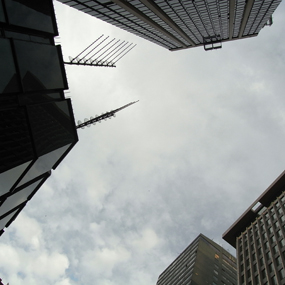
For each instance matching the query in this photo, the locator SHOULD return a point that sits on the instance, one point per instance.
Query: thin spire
(104, 116)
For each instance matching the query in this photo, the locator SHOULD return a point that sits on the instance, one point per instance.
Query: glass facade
(36, 121)
(178, 24)
(202, 262)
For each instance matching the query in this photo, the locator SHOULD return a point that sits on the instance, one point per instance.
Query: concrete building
(37, 128)
(181, 24)
(202, 262)
(258, 236)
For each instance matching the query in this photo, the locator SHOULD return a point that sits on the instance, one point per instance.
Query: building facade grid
(261, 247)
(180, 24)
(202, 262)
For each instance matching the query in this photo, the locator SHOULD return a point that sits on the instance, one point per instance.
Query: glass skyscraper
(37, 127)
(202, 262)
(258, 236)
(180, 24)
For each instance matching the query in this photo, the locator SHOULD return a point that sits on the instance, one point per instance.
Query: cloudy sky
(206, 138)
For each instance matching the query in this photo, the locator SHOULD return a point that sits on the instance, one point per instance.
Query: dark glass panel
(39, 66)
(44, 164)
(15, 138)
(39, 98)
(17, 198)
(9, 80)
(2, 16)
(26, 37)
(33, 14)
(6, 219)
(8, 178)
(51, 126)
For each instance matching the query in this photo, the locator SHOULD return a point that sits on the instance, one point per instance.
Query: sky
(204, 141)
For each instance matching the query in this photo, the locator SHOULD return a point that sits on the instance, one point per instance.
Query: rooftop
(255, 209)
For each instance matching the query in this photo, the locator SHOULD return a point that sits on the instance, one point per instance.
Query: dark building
(258, 236)
(180, 24)
(37, 127)
(202, 262)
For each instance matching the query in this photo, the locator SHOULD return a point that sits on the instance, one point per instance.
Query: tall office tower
(180, 24)
(202, 262)
(258, 236)
(37, 127)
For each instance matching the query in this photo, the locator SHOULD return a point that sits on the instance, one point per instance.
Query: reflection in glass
(30, 14)
(17, 198)
(8, 178)
(39, 66)
(44, 164)
(5, 220)
(9, 80)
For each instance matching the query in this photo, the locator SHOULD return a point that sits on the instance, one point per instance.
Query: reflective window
(44, 164)
(17, 198)
(8, 178)
(31, 14)
(9, 80)
(5, 220)
(39, 66)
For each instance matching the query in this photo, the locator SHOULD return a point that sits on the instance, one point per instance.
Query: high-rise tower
(259, 238)
(180, 24)
(202, 262)
(37, 128)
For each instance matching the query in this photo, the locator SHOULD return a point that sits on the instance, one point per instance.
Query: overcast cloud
(204, 141)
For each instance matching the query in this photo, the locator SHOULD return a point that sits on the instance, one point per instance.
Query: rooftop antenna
(102, 52)
(105, 116)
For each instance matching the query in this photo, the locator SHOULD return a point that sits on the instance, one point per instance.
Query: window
(275, 249)
(282, 273)
(270, 266)
(263, 274)
(274, 280)
(17, 198)
(9, 79)
(33, 15)
(273, 239)
(39, 66)
(278, 260)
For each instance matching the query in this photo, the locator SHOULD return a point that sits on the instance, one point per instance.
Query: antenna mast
(102, 52)
(104, 116)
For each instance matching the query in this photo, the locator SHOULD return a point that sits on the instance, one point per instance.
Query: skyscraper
(258, 236)
(181, 24)
(37, 128)
(202, 262)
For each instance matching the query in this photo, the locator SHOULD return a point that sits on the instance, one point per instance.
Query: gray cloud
(204, 141)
